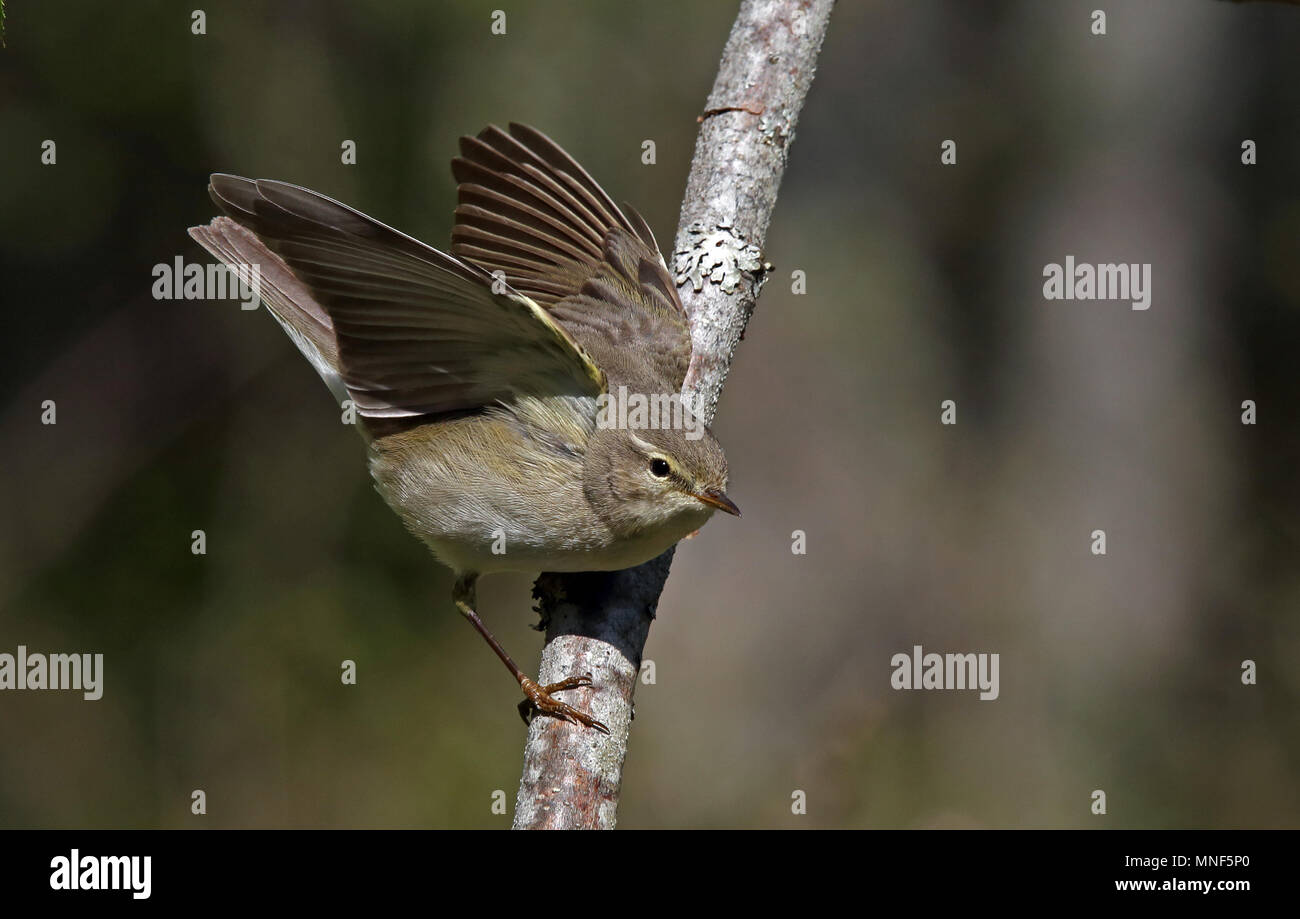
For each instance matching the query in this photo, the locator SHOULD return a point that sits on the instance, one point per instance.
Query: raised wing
(420, 333)
(526, 208)
(304, 320)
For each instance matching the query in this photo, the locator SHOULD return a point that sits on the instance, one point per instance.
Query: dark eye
(659, 467)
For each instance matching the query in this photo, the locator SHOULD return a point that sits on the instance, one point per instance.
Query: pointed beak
(719, 500)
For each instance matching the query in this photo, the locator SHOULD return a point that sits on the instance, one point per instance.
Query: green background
(924, 283)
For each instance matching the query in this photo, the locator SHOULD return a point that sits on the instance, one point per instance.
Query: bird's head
(666, 481)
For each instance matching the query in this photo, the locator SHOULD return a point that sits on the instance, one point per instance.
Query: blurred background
(924, 283)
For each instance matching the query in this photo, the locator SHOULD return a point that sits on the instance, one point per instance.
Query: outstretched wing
(290, 302)
(526, 208)
(420, 334)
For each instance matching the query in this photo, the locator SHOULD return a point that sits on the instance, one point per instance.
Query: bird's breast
(500, 491)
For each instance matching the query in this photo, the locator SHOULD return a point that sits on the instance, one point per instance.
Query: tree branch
(598, 622)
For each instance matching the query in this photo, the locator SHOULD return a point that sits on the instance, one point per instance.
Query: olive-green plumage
(477, 375)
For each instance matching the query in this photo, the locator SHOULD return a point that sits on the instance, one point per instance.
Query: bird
(478, 376)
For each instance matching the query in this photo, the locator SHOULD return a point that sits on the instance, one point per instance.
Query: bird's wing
(288, 299)
(419, 332)
(527, 209)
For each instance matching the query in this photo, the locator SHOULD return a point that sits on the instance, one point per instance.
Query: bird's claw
(538, 699)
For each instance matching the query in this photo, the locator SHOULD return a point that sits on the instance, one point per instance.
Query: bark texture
(598, 622)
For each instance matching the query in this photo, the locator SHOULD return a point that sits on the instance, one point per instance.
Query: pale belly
(508, 512)
(559, 555)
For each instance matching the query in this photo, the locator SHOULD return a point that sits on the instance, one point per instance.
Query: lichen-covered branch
(597, 622)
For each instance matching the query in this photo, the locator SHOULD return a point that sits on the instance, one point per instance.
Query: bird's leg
(537, 698)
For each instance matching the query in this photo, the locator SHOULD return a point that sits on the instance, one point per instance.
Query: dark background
(1119, 673)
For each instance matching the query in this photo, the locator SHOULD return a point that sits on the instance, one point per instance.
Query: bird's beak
(719, 500)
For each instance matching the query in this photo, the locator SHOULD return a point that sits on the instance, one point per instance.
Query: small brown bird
(482, 378)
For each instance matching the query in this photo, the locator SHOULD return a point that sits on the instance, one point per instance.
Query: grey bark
(598, 622)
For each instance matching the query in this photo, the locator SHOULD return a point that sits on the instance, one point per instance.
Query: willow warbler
(479, 376)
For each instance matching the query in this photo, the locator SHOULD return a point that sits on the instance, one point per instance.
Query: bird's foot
(538, 700)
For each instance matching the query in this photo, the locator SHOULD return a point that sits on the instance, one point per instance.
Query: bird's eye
(659, 467)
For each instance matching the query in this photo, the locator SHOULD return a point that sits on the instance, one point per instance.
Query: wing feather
(420, 334)
(526, 208)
